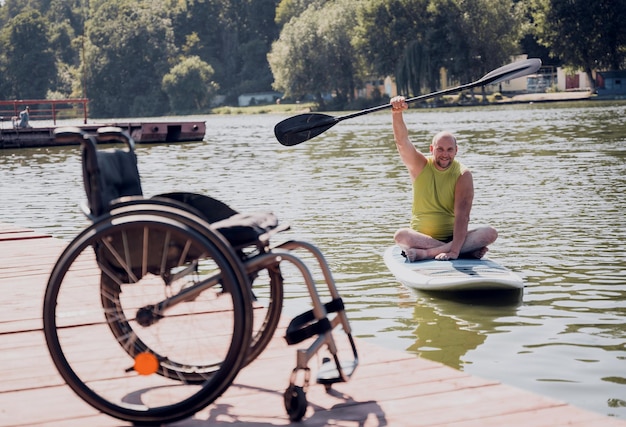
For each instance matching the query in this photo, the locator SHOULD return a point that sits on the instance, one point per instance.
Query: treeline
(148, 58)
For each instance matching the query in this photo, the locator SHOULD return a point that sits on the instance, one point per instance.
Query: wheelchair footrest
(329, 372)
(305, 325)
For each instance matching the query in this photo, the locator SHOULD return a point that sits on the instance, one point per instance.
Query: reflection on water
(450, 324)
(551, 178)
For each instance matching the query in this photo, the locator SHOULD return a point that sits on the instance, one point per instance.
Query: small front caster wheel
(295, 402)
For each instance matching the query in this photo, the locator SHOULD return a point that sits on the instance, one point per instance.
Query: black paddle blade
(511, 71)
(300, 128)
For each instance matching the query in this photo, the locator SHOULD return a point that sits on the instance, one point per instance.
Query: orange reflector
(146, 364)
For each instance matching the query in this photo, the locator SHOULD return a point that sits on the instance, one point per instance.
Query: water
(550, 177)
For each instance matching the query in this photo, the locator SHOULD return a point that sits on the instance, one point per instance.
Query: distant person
(443, 193)
(24, 117)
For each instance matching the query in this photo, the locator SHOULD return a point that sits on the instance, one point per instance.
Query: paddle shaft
(507, 72)
(413, 99)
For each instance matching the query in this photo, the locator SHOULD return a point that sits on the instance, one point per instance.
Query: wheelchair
(153, 309)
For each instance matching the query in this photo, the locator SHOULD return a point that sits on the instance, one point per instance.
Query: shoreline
(522, 98)
(552, 97)
(149, 133)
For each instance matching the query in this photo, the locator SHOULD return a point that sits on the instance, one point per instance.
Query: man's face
(444, 150)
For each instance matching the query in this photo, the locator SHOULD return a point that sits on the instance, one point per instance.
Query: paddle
(300, 128)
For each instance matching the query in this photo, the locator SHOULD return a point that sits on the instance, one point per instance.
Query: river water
(550, 177)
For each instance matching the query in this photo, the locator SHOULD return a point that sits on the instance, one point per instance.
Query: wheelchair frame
(149, 312)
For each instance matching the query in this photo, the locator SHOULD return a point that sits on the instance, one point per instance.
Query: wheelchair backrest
(108, 174)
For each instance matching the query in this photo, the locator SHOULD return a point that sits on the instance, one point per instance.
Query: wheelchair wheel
(146, 318)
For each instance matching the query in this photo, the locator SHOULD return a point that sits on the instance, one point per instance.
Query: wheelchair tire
(267, 290)
(147, 318)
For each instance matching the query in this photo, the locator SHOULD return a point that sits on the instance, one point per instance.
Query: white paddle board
(455, 275)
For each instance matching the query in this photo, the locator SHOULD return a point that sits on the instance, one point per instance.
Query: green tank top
(433, 200)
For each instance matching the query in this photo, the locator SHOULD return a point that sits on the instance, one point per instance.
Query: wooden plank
(24, 270)
(31, 365)
(23, 235)
(9, 232)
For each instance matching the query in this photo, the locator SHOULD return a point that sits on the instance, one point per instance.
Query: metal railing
(45, 109)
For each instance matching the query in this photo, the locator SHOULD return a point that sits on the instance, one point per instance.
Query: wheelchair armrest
(265, 237)
(247, 229)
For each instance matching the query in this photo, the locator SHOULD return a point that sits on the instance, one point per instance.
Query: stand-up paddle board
(455, 275)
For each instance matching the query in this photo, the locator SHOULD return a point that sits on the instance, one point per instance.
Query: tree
(489, 34)
(415, 39)
(391, 37)
(128, 47)
(233, 36)
(314, 54)
(122, 49)
(287, 9)
(28, 63)
(585, 35)
(189, 85)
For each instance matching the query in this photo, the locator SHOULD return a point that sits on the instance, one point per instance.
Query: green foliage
(491, 31)
(288, 9)
(392, 37)
(128, 55)
(233, 36)
(585, 35)
(415, 39)
(314, 54)
(189, 85)
(143, 57)
(28, 63)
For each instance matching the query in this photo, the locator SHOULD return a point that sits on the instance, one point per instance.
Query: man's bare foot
(413, 254)
(477, 254)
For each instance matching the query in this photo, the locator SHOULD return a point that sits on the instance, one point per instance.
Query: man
(443, 192)
(24, 117)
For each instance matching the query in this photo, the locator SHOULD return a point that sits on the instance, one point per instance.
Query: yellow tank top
(433, 200)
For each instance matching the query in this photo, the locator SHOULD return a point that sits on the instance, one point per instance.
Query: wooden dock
(12, 136)
(142, 133)
(389, 388)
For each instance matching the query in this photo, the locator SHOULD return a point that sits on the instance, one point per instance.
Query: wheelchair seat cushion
(242, 229)
(238, 228)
